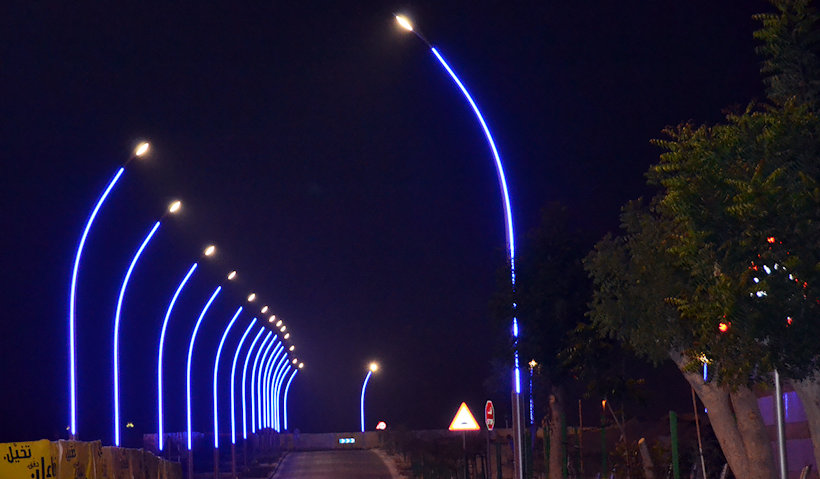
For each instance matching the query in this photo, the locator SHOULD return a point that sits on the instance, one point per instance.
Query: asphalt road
(353, 464)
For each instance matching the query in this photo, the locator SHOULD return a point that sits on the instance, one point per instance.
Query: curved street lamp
(244, 387)
(190, 441)
(405, 23)
(172, 209)
(263, 385)
(216, 369)
(253, 380)
(233, 390)
(285, 400)
(141, 150)
(370, 370)
(273, 391)
(263, 361)
(160, 418)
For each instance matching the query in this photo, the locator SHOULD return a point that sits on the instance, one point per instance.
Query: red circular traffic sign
(489, 415)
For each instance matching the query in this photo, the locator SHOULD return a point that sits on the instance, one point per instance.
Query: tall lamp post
(172, 209)
(285, 399)
(370, 370)
(140, 151)
(405, 23)
(216, 369)
(209, 251)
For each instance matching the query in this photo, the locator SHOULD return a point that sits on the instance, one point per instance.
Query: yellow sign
(27, 460)
(464, 420)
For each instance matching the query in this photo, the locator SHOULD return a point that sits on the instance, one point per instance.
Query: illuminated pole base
(233, 460)
(518, 459)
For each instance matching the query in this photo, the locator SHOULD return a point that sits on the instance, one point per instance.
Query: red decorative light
(789, 320)
(770, 239)
(723, 327)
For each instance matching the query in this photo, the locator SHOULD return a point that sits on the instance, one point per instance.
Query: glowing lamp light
(287, 336)
(723, 327)
(789, 320)
(295, 361)
(770, 239)
(381, 426)
(374, 367)
(301, 365)
(533, 364)
(252, 297)
(174, 207)
(210, 250)
(292, 348)
(130, 425)
(272, 319)
(278, 323)
(603, 405)
(142, 149)
(404, 22)
(231, 275)
(264, 309)
(283, 328)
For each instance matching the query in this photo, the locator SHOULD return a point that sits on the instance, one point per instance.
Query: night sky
(335, 166)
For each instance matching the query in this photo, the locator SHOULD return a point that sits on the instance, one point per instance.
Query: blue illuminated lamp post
(279, 392)
(244, 383)
(233, 390)
(140, 151)
(285, 399)
(263, 363)
(405, 23)
(172, 209)
(209, 251)
(370, 370)
(262, 349)
(273, 391)
(190, 440)
(216, 402)
(262, 385)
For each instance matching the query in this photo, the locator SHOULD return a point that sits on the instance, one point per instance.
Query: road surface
(352, 464)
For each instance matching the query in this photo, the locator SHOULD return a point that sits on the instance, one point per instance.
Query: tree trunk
(808, 391)
(556, 446)
(738, 426)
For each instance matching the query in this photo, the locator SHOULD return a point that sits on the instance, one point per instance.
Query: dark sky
(335, 165)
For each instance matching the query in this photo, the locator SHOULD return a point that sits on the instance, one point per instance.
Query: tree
(722, 267)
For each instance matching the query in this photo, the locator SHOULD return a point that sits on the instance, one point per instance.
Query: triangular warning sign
(464, 420)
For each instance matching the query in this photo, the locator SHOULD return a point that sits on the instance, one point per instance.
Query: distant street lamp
(370, 370)
(173, 208)
(405, 23)
(285, 400)
(271, 397)
(190, 441)
(141, 150)
(209, 251)
(244, 376)
(233, 390)
(216, 369)
(263, 385)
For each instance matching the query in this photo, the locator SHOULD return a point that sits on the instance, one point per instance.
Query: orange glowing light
(770, 239)
(723, 327)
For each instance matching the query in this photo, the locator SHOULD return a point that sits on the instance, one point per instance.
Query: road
(353, 464)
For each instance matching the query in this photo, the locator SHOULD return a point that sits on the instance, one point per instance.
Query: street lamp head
(301, 365)
(295, 361)
(278, 323)
(264, 309)
(287, 335)
(210, 250)
(291, 348)
(231, 275)
(374, 366)
(272, 318)
(283, 328)
(141, 149)
(404, 22)
(174, 207)
(252, 297)
(533, 364)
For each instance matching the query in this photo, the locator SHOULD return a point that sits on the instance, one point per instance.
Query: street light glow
(404, 22)
(292, 348)
(264, 309)
(283, 328)
(374, 366)
(174, 206)
(231, 275)
(142, 149)
(278, 323)
(301, 365)
(287, 336)
(210, 250)
(273, 318)
(251, 297)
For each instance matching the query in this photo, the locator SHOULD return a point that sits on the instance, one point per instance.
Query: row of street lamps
(267, 388)
(405, 23)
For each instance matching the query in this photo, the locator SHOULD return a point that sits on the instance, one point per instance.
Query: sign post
(489, 420)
